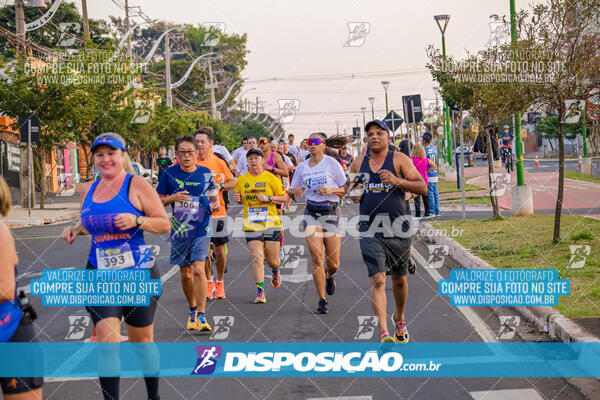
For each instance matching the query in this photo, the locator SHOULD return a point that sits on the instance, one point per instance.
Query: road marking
(169, 273)
(511, 394)
(343, 398)
(474, 319)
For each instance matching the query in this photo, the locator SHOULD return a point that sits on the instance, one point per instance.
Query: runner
(303, 151)
(218, 149)
(293, 148)
(237, 153)
(383, 194)
(17, 323)
(432, 174)
(347, 157)
(225, 181)
(285, 149)
(242, 164)
(188, 188)
(122, 205)
(321, 179)
(259, 191)
(163, 161)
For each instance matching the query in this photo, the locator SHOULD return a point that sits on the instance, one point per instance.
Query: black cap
(377, 122)
(254, 151)
(427, 134)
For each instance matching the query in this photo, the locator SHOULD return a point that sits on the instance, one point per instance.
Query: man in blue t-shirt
(190, 190)
(432, 174)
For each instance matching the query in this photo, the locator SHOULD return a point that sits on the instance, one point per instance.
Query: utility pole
(167, 67)
(20, 25)
(86, 22)
(213, 104)
(257, 104)
(127, 30)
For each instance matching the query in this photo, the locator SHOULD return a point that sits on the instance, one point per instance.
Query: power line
(358, 75)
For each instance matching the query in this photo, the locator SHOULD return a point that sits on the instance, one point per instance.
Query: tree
(565, 33)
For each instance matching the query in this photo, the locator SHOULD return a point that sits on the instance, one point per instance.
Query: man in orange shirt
(224, 180)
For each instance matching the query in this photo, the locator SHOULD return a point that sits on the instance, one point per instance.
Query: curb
(42, 221)
(546, 318)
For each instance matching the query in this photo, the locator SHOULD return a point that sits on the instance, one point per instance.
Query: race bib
(258, 214)
(191, 206)
(116, 258)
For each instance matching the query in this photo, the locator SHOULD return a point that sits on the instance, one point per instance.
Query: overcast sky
(304, 38)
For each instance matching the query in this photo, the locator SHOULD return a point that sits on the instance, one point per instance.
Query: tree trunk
(490, 157)
(42, 181)
(561, 183)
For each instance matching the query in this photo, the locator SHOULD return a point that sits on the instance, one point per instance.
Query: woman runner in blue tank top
(116, 210)
(15, 326)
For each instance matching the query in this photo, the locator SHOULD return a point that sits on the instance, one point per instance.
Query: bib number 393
(116, 258)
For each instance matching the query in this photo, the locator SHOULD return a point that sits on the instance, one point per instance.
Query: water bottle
(28, 311)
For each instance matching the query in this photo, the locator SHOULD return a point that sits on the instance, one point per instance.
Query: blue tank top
(379, 199)
(10, 316)
(112, 247)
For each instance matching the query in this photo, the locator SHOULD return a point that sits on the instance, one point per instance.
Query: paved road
(288, 316)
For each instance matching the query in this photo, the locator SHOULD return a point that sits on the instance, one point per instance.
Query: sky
(310, 38)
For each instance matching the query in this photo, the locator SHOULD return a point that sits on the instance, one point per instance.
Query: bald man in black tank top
(385, 221)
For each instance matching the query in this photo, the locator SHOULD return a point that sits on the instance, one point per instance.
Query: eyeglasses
(185, 153)
(263, 142)
(314, 141)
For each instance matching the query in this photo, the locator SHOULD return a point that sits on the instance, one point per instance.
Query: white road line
(169, 273)
(478, 324)
(511, 394)
(343, 398)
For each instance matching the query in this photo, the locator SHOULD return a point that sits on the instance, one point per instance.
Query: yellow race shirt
(259, 216)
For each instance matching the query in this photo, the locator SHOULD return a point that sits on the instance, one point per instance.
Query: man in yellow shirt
(259, 191)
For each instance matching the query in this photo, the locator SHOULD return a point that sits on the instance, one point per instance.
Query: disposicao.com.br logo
(305, 363)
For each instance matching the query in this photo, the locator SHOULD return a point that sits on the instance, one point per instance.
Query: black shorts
(268, 235)
(16, 385)
(136, 316)
(328, 221)
(385, 254)
(219, 232)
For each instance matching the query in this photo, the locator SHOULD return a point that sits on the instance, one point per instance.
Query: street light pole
(443, 19)
(372, 100)
(167, 67)
(518, 142)
(363, 109)
(386, 85)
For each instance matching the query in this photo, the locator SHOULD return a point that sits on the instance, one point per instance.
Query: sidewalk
(544, 185)
(19, 217)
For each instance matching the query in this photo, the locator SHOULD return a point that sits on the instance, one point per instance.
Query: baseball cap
(506, 127)
(108, 141)
(255, 151)
(377, 122)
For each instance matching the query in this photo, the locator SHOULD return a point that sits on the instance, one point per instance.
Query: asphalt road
(288, 316)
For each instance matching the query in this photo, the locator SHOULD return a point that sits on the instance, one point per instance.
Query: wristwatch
(270, 199)
(222, 185)
(139, 221)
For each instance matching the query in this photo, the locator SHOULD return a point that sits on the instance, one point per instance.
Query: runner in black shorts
(16, 326)
(116, 210)
(385, 176)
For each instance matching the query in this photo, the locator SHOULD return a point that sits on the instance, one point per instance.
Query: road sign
(393, 120)
(356, 131)
(408, 103)
(24, 126)
(440, 130)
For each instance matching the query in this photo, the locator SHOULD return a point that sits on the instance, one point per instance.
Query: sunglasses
(263, 142)
(314, 142)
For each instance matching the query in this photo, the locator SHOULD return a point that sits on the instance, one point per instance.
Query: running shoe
(210, 289)
(192, 322)
(330, 285)
(401, 332)
(322, 307)
(202, 324)
(219, 290)
(412, 265)
(385, 337)
(260, 297)
(276, 278)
